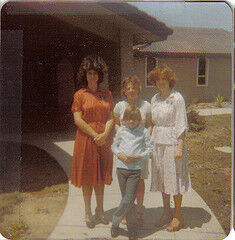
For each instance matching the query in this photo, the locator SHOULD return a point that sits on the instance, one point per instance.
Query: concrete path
(214, 111)
(224, 149)
(200, 221)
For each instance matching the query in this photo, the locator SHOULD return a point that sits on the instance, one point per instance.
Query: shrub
(195, 121)
(195, 100)
(219, 101)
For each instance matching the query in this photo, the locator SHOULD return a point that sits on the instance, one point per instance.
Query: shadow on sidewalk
(27, 168)
(194, 218)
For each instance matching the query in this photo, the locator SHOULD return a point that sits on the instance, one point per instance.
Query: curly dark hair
(91, 62)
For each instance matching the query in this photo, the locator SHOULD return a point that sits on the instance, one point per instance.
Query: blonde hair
(133, 80)
(162, 71)
(132, 113)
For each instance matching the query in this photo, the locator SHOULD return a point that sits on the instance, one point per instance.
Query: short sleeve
(181, 124)
(152, 99)
(77, 102)
(117, 110)
(148, 108)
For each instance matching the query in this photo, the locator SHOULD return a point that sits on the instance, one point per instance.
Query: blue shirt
(135, 141)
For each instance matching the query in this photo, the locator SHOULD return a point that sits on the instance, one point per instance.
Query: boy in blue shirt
(132, 145)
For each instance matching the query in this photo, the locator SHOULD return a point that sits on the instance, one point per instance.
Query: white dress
(169, 175)
(145, 110)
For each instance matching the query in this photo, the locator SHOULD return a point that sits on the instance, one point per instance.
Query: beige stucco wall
(219, 78)
(126, 53)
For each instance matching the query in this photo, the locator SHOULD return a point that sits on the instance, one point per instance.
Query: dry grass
(211, 169)
(33, 212)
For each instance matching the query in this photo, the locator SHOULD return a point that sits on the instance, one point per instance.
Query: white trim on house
(206, 73)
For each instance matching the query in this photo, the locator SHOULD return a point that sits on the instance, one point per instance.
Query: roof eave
(156, 30)
(177, 54)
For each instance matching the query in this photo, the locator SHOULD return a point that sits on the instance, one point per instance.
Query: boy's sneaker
(133, 235)
(114, 231)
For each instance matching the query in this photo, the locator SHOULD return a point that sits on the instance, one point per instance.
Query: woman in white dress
(170, 170)
(131, 90)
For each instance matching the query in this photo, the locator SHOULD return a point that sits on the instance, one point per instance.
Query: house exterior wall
(126, 53)
(123, 37)
(140, 72)
(219, 78)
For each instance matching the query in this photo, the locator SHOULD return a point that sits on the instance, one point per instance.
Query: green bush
(195, 121)
(219, 101)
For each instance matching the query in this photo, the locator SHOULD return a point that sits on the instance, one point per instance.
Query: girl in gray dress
(170, 170)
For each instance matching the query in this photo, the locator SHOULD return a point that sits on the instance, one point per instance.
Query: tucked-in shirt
(144, 107)
(169, 118)
(135, 141)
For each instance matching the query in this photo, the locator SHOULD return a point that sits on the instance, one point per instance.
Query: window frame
(206, 73)
(146, 71)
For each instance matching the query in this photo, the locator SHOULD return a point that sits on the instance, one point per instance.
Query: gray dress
(169, 175)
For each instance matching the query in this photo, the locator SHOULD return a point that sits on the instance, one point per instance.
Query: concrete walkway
(200, 221)
(214, 111)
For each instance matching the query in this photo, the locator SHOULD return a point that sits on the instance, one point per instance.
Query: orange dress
(92, 165)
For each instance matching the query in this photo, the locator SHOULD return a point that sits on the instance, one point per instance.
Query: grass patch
(42, 211)
(8, 204)
(59, 189)
(211, 169)
(17, 198)
(17, 230)
(32, 210)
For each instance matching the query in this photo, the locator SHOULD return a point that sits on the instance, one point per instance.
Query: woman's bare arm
(179, 151)
(82, 125)
(101, 138)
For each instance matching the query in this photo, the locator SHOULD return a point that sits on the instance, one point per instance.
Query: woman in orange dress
(92, 158)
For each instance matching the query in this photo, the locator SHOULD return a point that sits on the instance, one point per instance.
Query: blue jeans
(128, 183)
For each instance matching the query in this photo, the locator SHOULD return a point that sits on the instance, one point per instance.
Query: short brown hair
(162, 71)
(134, 80)
(133, 113)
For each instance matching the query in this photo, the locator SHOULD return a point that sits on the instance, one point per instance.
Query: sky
(190, 14)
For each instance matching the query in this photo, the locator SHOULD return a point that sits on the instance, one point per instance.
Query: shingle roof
(140, 18)
(193, 40)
